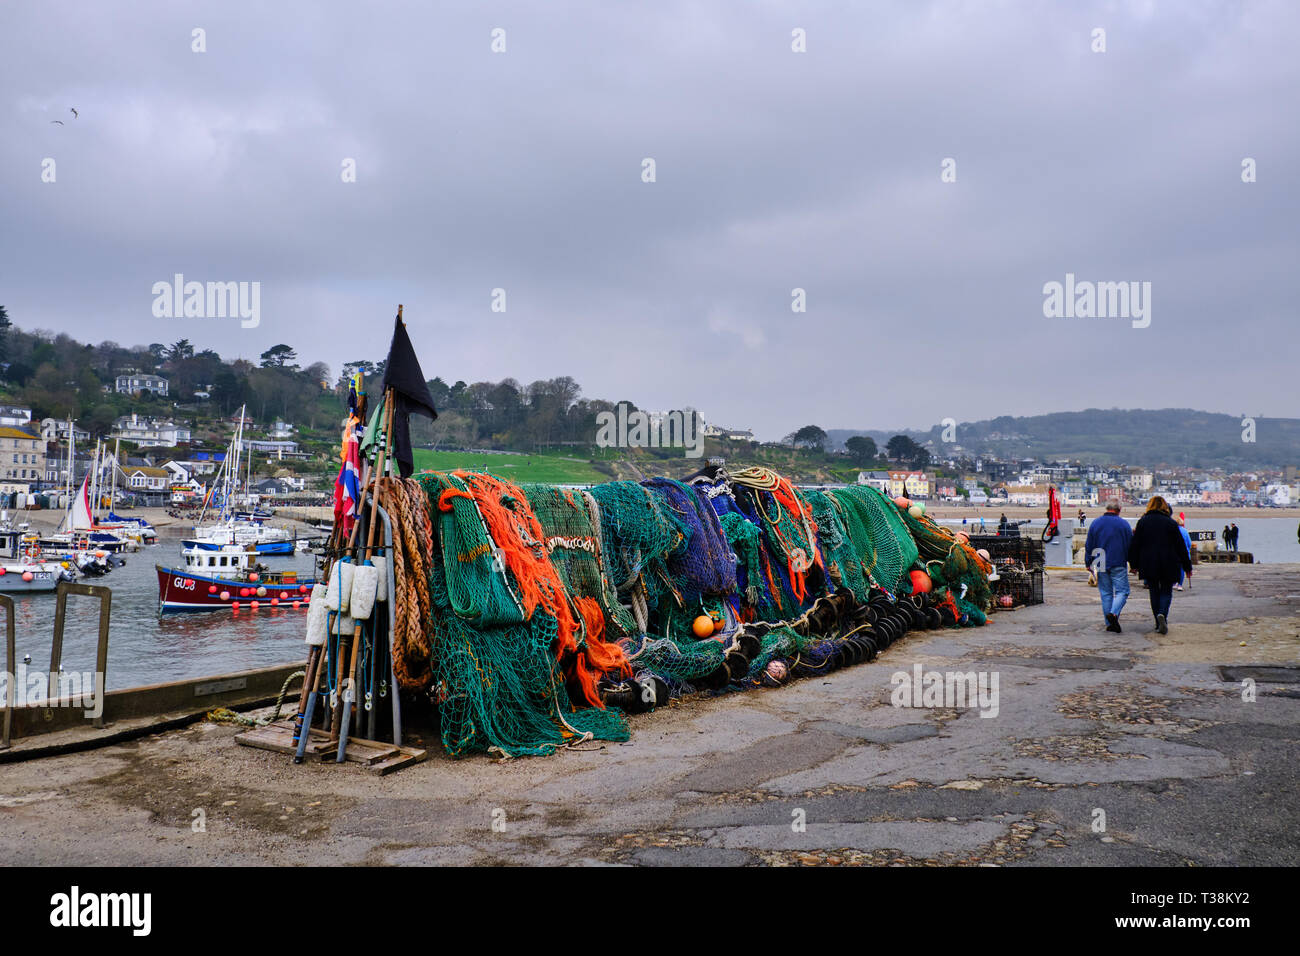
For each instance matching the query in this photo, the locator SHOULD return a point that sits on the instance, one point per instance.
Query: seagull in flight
(60, 122)
(74, 112)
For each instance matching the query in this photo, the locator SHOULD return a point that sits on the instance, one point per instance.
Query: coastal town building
(14, 416)
(730, 434)
(149, 432)
(56, 429)
(204, 463)
(134, 383)
(273, 449)
(1028, 495)
(910, 484)
(875, 479)
(22, 457)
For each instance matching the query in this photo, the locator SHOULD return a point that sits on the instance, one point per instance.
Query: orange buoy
(703, 626)
(921, 583)
(718, 623)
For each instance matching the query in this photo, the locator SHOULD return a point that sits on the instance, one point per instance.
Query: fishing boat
(226, 579)
(25, 568)
(263, 540)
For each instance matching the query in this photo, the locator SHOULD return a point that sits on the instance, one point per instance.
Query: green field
(551, 469)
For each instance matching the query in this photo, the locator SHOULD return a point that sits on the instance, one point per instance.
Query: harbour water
(146, 649)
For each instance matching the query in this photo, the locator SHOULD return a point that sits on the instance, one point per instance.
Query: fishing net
(702, 562)
(958, 566)
(885, 548)
(789, 530)
(542, 598)
(570, 522)
(512, 649)
(844, 562)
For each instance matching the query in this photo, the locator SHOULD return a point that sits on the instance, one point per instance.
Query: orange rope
(515, 529)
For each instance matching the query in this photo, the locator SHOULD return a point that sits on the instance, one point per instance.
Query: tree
(100, 421)
(901, 448)
(5, 325)
(810, 436)
(180, 351)
(279, 356)
(863, 449)
(317, 373)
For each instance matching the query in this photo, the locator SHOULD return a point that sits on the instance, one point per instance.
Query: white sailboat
(228, 530)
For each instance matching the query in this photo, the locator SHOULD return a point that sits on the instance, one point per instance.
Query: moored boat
(226, 579)
(25, 568)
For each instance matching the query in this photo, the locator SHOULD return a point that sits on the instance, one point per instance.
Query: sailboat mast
(112, 495)
(94, 487)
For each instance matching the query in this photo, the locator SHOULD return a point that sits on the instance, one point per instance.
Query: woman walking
(1160, 558)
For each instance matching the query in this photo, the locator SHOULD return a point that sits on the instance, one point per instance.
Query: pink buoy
(296, 605)
(3, 570)
(28, 576)
(253, 605)
(225, 595)
(284, 595)
(253, 576)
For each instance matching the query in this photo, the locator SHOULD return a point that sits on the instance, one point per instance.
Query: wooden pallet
(376, 756)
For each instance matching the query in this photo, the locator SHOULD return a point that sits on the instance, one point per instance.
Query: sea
(144, 648)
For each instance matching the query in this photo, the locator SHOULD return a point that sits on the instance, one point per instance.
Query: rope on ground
(224, 715)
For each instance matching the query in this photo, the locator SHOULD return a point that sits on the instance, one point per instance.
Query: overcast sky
(775, 170)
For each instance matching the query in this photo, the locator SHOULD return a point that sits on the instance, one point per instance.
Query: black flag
(410, 394)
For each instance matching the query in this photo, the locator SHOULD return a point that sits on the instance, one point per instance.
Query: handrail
(105, 596)
(11, 681)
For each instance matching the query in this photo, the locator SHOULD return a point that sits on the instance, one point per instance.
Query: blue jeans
(1114, 587)
(1162, 595)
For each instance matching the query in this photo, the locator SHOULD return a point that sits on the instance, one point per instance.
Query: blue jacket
(1112, 534)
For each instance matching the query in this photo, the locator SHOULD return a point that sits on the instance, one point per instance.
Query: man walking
(1106, 551)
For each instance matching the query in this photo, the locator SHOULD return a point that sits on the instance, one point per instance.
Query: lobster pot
(1010, 551)
(1022, 588)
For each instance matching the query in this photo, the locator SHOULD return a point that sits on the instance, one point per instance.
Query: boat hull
(44, 578)
(182, 591)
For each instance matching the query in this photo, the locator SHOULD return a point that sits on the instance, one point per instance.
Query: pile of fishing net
(554, 612)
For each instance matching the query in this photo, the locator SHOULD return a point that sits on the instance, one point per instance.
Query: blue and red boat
(228, 579)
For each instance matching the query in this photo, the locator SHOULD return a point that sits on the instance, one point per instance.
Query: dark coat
(1157, 551)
